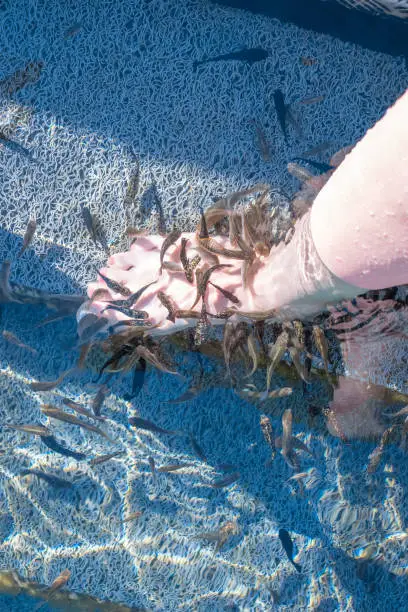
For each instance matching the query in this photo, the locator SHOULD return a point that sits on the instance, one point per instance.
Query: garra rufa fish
(281, 111)
(28, 236)
(249, 56)
(167, 242)
(102, 458)
(221, 536)
(60, 415)
(151, 358)
(10, 337)
(267, 431)
(58, 583)
(287, 544)
(48, 478)
(34, 430)
(48, 385)
(224, 482)
(173, 467)
(150, 426)
(98, 400)
(52, 443)
(89, 223)
(114, 286)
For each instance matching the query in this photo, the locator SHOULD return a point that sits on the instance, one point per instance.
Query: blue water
(122, 86)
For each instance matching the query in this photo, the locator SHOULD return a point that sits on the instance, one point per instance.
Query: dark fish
(227, 294)
(49, 478)
(188, 395)
(5, 288)
(152, 465)
(138, 379)
(235, 335)
(266, 427)
(168, 241)
(149, 426)
(80, 409)
(287, 440)
(99, 399)
(15, 146)
(58, 583)
(320, 148)
(173, 467)
(35, 430)
(262, 142)
(224, 482)
(10, 337)
(185, 262)
(22, 77)
(320, 166)
(287, 544)
(203, 281)
(89, 223)
(133, 185)
(60, 415)
(74, 29)
(197, 449)
(102, 458)
(225, 467)
(48, 385)
(169, 304)
(138, 315)
(249, 56)
(281, 111)
(129, 323)
(202, 328)
(52, 443)
(134, 297)
(114, 286)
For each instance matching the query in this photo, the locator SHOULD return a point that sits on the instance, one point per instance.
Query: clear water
(121, 85)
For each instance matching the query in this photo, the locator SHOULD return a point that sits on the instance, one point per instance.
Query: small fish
(312, 100)
(134, 297)
(137, 315)
(221, 536)
(167, 242)
(55, 413)
(267, 431)
(287, 544)
(295, 443)
(102, 458)
(114, 286)
(203, 281)
(227, 294)
(80, 409)
(300, 368)
(187, 396)
(138, 379)
(169, 304)
(173, 467)
(249, 56)
(322, 346)
(35, 430)
(52, 443)
(235, 335)
(132, 516)
(152, 465)
(10, 337)
(186, 263)
(151, 358)
(320, 148)
(133, 185)
(320, 166)
(302, 174)
(287, 440)
(72, 31)
(308, 61)
(275, 353)
(224, 482)
(58, 583)
(14, 146)
(22, 77)
(262, 142)
(281, 111)
(262, 395)
(89, 222)
(150, 426)
(172, 266)
(197, 449)
(99, 399)
(48, 385)
(253, 353)
(201, 331)
(376, 456)
(5, 288)
(48, 478)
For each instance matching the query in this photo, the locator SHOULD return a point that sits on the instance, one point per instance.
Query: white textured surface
(125, 83)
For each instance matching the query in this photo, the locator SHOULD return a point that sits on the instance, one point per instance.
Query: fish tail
(297, 566)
